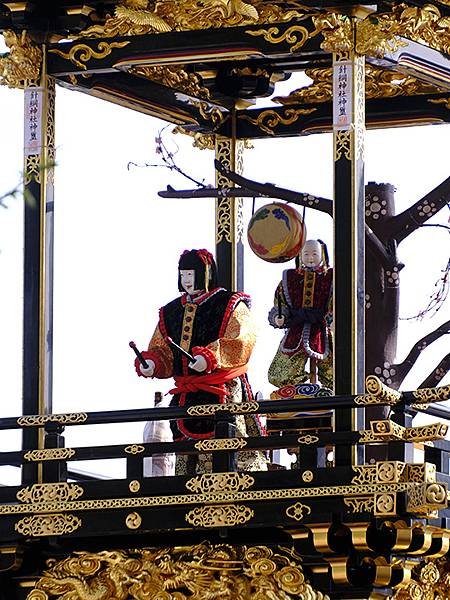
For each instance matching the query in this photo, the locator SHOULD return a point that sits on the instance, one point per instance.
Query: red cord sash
(211, 382)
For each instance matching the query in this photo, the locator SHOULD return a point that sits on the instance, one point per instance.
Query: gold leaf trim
(43, 525)
(134, 449)
(212, 409)
(50, 492)
(39, 420)
(221, 444)
(361, 504)
(267, 120)
(220, 482)
(49, 454)
(213, 498)
(86, 53)
(427, 395)
(226, 515)
(295, 36)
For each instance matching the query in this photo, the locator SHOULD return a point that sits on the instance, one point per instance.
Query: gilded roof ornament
(23, 63)
(380, 33)
(137, 17)
(380, 83)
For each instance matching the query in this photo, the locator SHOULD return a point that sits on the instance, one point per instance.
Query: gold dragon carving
(23, 63)
(203, 572)
(379, 33)
(137, 17)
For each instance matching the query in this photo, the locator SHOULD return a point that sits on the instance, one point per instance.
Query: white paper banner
(33, 120)
(342, 95)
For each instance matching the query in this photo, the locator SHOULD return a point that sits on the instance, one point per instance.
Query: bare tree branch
(405, 223)
(399, 371)
(273, 191)
(210, 192)
(437, 374)
(309, 201)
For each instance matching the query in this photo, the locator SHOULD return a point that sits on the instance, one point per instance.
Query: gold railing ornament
(220, 482)
(22, 65)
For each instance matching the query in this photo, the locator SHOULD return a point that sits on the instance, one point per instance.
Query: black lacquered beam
(381, 396)
(100, 55)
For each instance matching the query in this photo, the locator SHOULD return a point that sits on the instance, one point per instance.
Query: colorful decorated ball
(276, 233)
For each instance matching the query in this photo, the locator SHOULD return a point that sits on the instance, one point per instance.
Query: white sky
(117, 245)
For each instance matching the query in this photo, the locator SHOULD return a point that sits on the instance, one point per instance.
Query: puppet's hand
(199, 363)
(279, 321)
(147, 372)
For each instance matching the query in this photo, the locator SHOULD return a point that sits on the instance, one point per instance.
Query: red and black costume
(215, 324)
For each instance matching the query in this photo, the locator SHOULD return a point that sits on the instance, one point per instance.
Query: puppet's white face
(187, 278)
(312, 254)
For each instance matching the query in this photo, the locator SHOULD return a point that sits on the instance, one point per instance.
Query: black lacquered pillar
(229, 218)
(348, 215)
(39, 154)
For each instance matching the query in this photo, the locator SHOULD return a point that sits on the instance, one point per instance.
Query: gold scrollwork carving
(134, 449)
(210, 112)
(41, 420)
(220, 482)
(175, 77)
(49, 454)
(22, 65)
(295, 36)
(205, 410)
(421, 473)
(32, 171)
(43, 525)
(379, 83)
(365, 474)
(425, 25)
(429, 579)
(50, 492)
(425, 433)
(343, 147)
(86, 53)
(360, 504)
(298, 511)
(202, 141)
(427, 395)
(183, 572)
(336, 30)
(220, 444)
(373, 40)
(226, 515)
(268, 120)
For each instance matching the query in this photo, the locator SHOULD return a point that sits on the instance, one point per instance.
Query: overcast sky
(117, 246)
